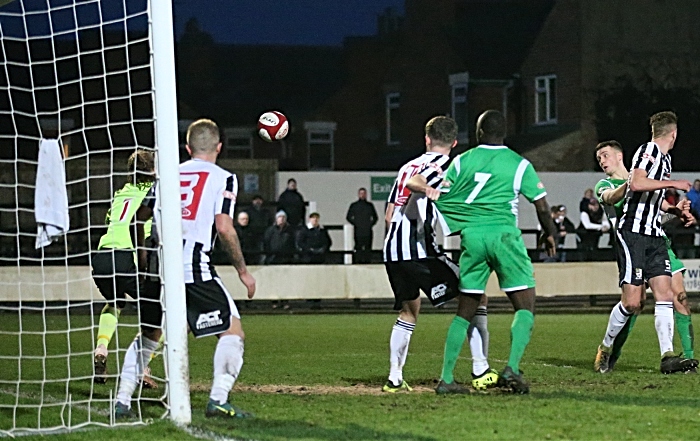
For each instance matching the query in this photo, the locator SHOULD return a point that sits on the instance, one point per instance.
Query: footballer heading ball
(273, 126)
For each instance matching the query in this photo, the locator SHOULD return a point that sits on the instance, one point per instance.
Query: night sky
(302, 22)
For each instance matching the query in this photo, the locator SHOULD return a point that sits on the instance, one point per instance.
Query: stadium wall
(333, 193)
(74, 283)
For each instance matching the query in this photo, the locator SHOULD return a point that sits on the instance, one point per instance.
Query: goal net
(79, 93)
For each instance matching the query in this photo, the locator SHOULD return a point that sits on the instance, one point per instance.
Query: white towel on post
(51, 195)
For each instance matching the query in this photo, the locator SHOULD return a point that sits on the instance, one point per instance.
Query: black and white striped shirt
(414, 238)
(642, 209)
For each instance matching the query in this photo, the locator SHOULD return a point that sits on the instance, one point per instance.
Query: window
(460, 87)
(320, 140)
(238, 142)
(393, 107)
(546, 99)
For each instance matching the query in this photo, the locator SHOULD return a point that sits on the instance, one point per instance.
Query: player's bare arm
(545, 218)
(224, 226)
(613, 196)
(388, 215)
(681, 210)
(639, 181)
(419, 184)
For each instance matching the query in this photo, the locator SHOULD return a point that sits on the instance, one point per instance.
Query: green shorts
(676, 264)
(500, 249)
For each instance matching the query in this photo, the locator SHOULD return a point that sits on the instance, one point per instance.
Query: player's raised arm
(613, 195)
(227, 234)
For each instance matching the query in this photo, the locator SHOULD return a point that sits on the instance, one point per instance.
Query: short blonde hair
(203, 135)
(662, 123)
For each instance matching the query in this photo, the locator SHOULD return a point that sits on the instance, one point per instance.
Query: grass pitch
(317, 377)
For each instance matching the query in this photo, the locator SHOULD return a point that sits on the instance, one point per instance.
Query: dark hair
(554, 209)
(361, 189)
(493, 124)
(661, 123)
(442, 130)
(316, 215)
(612, 144)
(257, 196)
(142, 164)
(291, 180)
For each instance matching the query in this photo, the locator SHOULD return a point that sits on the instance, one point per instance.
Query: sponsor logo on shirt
(648, 157)
(229, 195)
(209, 320)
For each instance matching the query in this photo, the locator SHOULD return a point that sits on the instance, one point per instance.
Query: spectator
(278, 243)
(249, 247)
(564, 226)
(313, 241)
(593, 224)
(260, 219)
(587, 196)
(672, 196)
(292, 203)
(362, 216)
(694, 196)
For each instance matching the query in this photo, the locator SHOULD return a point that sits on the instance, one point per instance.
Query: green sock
(686, 333)
(453, 346)
(108, 324)
(520, 332)
(621, 338)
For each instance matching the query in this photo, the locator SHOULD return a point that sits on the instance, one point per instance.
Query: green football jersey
(610, 184)
(125, 203)
(481, 188)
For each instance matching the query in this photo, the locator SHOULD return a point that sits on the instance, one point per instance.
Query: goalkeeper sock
(481, 321)
(479, 362)
(228, 360)
(621, 338)
(398, 349)
(135, 361)
(520, 332)
(108, 324)
(686, 333)
(453, 346)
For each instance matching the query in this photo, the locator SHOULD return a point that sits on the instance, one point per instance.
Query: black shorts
(438, 278)
(641, 257)
(114, 272)
(209, 307)
(150, 299)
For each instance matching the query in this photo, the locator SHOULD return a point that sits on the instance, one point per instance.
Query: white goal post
(95, 81)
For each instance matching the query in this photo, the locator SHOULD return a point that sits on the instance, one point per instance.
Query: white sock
(135, 361)
(398, 349)
(481, 321)
(228, 360)
(663, 320)
(479, 362)
(617, 321)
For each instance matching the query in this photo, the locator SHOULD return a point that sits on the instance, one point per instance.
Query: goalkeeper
(114, 262)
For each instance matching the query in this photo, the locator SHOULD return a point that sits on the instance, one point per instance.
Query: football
(273, 126)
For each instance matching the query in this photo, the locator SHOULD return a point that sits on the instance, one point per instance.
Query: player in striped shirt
(412, 259)
(479, 199)
(208, 194)
(642, 251)
(611, 194)
(114, 264)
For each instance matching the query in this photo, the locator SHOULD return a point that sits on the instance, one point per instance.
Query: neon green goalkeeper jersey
(610, 184)
(481, 188)
(125, 203)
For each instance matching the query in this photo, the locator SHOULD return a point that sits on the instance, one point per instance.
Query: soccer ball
(273, 126)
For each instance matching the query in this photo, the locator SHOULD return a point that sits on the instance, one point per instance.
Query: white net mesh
(79, 72)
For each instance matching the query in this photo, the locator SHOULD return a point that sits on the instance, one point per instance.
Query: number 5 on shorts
(480, 179)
